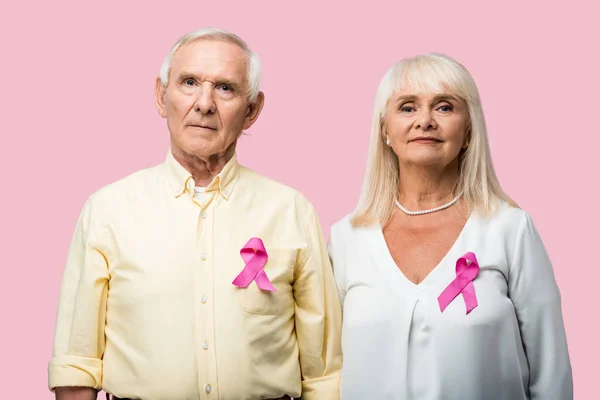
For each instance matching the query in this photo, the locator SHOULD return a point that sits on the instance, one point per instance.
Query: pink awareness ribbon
(255, 257)
(467, 269)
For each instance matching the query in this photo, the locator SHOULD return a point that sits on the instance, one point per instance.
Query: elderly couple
(201, 279)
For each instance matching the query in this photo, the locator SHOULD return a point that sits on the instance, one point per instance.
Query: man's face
(206, 100)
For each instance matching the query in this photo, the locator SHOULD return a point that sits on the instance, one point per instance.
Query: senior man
(199, 278)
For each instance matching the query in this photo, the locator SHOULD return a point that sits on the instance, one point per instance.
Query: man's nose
(205, 102)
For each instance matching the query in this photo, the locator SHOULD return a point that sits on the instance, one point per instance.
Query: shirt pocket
(280, 271)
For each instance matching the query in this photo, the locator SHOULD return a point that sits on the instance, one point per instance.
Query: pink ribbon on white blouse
(467, 269)
(255, 256)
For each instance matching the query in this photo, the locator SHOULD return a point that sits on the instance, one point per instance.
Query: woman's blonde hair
(429, 73)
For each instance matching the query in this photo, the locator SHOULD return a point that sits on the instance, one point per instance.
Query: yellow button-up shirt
(148, 310)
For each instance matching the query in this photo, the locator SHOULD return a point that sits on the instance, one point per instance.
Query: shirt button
(207, 388)
(204, 299)
(204, 215)
(205, 345)
(203, 256)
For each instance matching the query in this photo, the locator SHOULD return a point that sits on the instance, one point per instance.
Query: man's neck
(204, 169)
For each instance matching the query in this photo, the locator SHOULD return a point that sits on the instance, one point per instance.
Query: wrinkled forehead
(210, 58)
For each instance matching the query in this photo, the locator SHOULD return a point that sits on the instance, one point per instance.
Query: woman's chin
(425, 160)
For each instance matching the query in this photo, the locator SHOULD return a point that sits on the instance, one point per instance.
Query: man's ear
(254, 110)
(159, 94)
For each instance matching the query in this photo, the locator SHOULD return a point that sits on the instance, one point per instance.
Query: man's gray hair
(253, 66)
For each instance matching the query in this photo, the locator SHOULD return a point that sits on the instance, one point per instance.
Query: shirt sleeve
(79, 334)
(536, 297)
(318, 319)
(336, 256)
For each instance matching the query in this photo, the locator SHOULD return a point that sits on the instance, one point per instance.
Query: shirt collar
(181, 179)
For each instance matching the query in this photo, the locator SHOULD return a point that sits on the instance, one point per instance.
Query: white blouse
(397, 344)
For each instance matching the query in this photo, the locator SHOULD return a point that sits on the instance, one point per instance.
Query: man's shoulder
(272, 189)
(134, 184)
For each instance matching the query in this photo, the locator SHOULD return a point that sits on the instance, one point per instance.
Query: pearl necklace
(431, 210)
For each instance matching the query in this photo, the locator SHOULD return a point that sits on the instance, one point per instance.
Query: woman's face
(426, 129)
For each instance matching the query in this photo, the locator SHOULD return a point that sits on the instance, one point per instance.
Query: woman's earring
(387, 140)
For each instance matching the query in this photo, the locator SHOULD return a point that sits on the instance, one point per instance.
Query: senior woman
(447, 289)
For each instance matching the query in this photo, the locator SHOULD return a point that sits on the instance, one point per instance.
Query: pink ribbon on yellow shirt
(255, 257)
(467, 269)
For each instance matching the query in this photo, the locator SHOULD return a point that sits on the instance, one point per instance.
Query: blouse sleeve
(536, 298)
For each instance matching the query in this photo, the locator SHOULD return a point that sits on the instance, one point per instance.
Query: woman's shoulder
(346, 228)
(343, 225)
(506, 217)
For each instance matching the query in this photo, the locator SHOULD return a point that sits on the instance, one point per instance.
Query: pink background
(78, 112)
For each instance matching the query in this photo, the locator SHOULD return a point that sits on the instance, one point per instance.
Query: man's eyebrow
(227, 82)
(221, 81)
